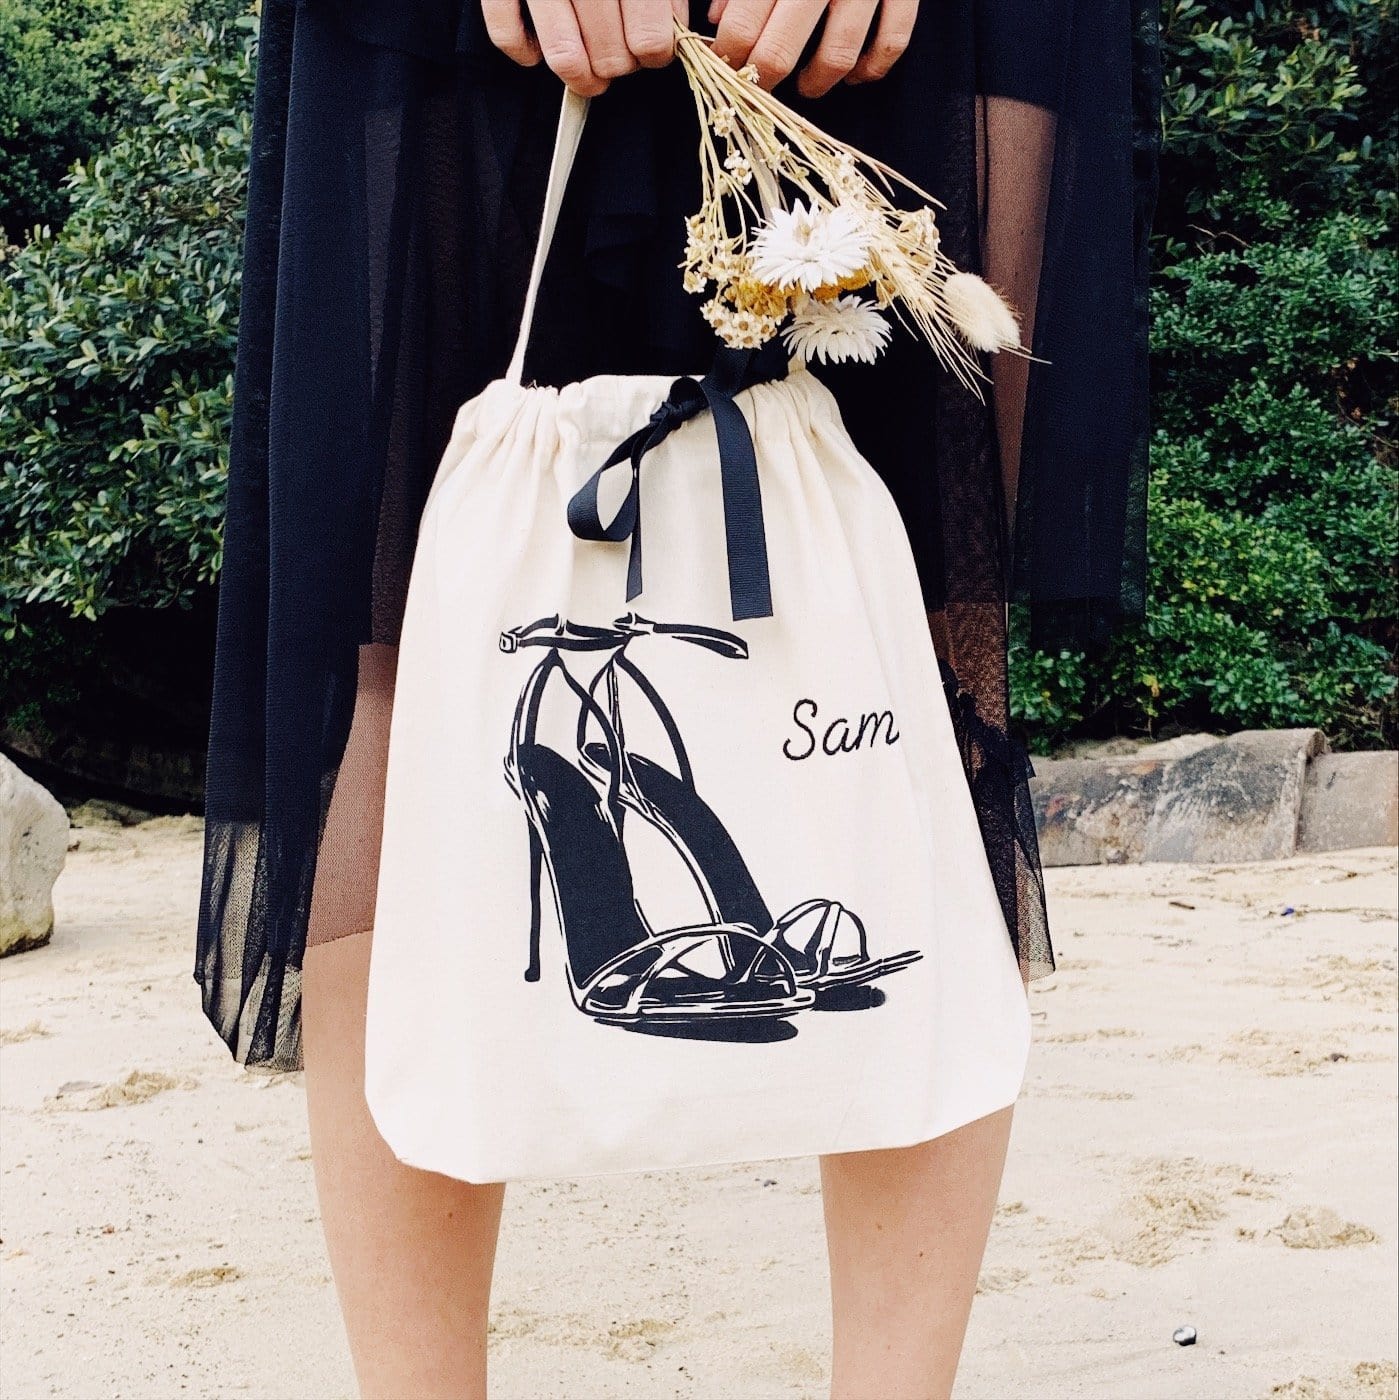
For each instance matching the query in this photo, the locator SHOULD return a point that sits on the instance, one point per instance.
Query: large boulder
(1237, 800)
(33, 844)
(1192, 799)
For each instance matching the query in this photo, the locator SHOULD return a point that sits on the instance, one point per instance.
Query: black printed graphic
(839, 735)
(738, 976)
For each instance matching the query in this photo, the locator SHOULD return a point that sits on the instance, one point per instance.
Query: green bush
(117, 338)
(1262, 99)
(1271, 521)
(71, 73)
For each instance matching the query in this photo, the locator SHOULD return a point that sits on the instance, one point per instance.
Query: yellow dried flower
(761, 298)
(852, 282)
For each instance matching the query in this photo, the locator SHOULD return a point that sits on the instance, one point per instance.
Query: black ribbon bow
(750, 588)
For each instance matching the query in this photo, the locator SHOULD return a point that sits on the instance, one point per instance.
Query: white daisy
(810, 248)
(848, 328)
(984, 320)
(737, 165)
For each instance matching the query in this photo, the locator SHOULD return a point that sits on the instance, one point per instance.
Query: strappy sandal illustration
(620, 970)
(823, 940)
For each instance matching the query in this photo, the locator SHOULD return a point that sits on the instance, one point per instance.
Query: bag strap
(572, 114)
(750, 587)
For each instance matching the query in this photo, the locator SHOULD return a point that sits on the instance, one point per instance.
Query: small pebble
(1184, 1336)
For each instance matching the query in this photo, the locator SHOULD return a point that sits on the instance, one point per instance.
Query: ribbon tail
(634, 558)
(750, 583)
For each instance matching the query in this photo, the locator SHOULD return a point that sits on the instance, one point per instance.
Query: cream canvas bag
(679, 865)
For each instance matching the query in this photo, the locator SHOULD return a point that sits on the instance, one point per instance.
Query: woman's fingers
(740, 26)
(842, 44)
(590, 42)
(891, 38)
(561, 42)
(506, 28)
(779, 47)
(772, 35)
(604, 37)
(649, 27)
(587, 43)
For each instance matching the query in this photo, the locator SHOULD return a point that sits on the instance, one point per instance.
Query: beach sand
(1207, 1138)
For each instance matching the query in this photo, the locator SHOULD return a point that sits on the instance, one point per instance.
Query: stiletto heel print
(619, 970)
(819, 945)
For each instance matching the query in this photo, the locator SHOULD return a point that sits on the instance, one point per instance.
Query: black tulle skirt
(397, 172)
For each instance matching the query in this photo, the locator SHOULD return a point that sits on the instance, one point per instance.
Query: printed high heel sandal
(619, 970)
(823, 940)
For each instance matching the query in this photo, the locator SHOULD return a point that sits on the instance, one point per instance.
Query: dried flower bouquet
(823, 269)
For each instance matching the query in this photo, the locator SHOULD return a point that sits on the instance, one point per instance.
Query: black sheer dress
(397, 174)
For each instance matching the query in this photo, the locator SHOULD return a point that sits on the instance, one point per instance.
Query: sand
(1207, 1138)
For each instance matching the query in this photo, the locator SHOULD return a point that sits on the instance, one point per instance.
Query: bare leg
(412, 1252)
(1016, 142)
(905, 1231)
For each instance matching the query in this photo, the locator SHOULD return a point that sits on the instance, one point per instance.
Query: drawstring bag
(679, 863)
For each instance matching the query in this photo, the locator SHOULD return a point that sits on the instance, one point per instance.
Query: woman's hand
(771, 34)
(586, 42)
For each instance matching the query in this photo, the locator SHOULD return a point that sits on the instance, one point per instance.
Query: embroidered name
(840, 735)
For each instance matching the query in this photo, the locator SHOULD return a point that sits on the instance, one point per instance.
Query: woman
(399, 158)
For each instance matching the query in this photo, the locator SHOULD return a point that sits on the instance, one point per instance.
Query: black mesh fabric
(398, 170)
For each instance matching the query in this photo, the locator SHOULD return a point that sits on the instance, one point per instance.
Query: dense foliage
(116, 346)
(71, 73)
(1272, 520)
(117, 336)
(1273, 491)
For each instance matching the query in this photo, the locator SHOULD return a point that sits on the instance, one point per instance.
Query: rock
(1183, 745)
(1195, 798)
(1094, 811)
(1351, 799)
(1128, 746)
(1238, 800)
(33, 845)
